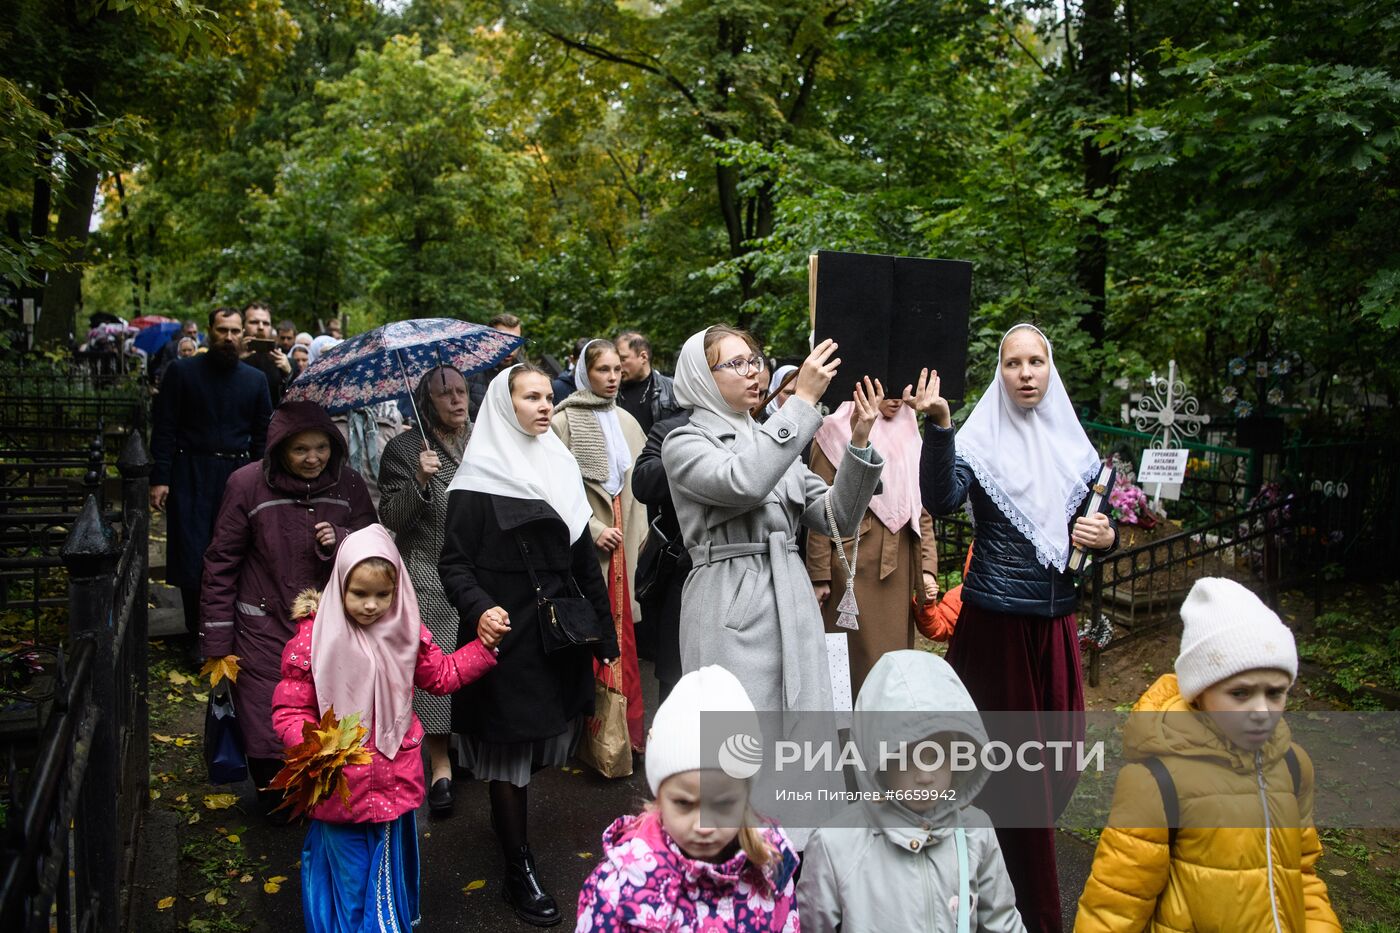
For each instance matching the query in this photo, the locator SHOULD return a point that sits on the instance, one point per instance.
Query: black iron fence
(74, 816)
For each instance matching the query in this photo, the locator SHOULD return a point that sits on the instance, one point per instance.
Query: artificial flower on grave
(1129, 505)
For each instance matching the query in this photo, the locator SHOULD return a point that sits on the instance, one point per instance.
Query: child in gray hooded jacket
(913, 853)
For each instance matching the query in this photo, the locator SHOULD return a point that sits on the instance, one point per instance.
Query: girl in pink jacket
(363, 649)
(698, 860)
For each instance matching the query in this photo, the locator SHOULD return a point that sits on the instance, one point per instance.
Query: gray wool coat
(748, 604)
(417, 517)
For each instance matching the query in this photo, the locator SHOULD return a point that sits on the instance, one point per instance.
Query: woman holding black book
(1025, 464)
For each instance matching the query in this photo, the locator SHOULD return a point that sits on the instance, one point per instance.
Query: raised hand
(926, 399)
(325, 535)
(867, 398)
(816, 372)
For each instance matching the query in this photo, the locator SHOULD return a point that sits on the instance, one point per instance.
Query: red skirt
(620, 598)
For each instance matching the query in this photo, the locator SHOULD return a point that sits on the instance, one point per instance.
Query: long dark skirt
(1026, 664)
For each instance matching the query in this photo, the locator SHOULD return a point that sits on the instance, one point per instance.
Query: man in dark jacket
(646, 394)
(272, 363)
(210, 419)
(664, 562)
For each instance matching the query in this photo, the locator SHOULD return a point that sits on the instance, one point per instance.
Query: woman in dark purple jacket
(275, 536)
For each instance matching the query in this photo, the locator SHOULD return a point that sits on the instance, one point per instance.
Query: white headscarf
(503, 459)
(619, 456)
(779, 375)
(1034, 463)
(696, 390)
(318, 346)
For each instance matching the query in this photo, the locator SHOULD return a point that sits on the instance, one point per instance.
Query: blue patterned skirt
(360, 877)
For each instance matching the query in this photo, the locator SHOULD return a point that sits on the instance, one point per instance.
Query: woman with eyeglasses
(741, 492)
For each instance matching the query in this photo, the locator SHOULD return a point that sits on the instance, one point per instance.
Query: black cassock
(208, 423)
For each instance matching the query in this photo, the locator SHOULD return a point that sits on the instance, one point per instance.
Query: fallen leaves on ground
(176, 678)
(219, 801)
(273, 884)
(165, 903)
(315, 769)
(476, 885)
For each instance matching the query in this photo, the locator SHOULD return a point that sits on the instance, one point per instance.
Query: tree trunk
(63, 291)
(1097, 45)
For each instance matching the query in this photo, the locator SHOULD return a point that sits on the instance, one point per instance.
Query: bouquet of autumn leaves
(315, 769)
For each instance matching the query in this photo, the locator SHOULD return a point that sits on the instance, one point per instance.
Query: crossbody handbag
(565, 621)
(656, 564)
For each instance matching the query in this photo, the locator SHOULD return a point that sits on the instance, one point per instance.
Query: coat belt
(783, 592)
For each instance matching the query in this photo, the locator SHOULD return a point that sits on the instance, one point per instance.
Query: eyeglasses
(743, 366)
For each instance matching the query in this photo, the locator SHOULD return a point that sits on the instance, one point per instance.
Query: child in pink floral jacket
(667, 869)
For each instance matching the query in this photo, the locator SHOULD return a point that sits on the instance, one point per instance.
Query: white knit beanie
(1227, 630)
(673, 744)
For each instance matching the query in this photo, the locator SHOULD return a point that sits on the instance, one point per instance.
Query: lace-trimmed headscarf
(1034, 463)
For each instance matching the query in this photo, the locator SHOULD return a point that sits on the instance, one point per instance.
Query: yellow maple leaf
(217, 669)
(219, 801)
(165, 903)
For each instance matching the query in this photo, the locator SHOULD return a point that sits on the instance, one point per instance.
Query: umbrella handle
(422, 428)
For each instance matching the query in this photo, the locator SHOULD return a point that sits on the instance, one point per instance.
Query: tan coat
(634, 514)
(889, 572)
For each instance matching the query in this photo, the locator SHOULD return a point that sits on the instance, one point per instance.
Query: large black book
(892, 316)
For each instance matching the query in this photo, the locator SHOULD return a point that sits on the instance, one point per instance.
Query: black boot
(523, 893)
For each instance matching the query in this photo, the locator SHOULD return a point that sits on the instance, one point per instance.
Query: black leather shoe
(523, 893)
(440, 797)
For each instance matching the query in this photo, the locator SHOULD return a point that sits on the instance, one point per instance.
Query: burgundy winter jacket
(264, 552)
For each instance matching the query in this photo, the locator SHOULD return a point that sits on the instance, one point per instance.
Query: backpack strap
(1170, 805)
(1295, 768)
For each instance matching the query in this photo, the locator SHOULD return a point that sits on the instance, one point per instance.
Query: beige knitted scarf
(586, 441)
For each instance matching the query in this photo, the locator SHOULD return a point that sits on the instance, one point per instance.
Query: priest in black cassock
(210, 418)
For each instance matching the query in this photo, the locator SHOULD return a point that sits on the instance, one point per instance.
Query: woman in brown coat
(897, 559)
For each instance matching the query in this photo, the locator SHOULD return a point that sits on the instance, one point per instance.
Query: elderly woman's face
(306, 453)
(448, 391)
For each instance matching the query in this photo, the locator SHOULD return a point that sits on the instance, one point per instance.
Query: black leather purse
(656, 564)
(565, 621)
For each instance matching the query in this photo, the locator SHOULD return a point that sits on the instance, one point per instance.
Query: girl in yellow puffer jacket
(1209, 752)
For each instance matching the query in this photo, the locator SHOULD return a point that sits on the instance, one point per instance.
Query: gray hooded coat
(880, 866)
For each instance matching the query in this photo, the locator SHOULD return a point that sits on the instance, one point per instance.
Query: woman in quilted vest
(1023, 464)
(605, 440)
(1208, 745)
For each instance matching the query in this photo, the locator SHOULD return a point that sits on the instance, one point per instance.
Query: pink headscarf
(897, 440)
(367, 668)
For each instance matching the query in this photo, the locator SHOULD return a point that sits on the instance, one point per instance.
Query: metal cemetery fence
(77, 778)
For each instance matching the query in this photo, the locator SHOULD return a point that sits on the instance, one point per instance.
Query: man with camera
(260, 350)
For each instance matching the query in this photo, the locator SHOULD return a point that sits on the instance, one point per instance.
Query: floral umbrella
(383, 364)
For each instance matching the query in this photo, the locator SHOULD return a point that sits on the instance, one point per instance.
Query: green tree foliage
(1200, 180)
